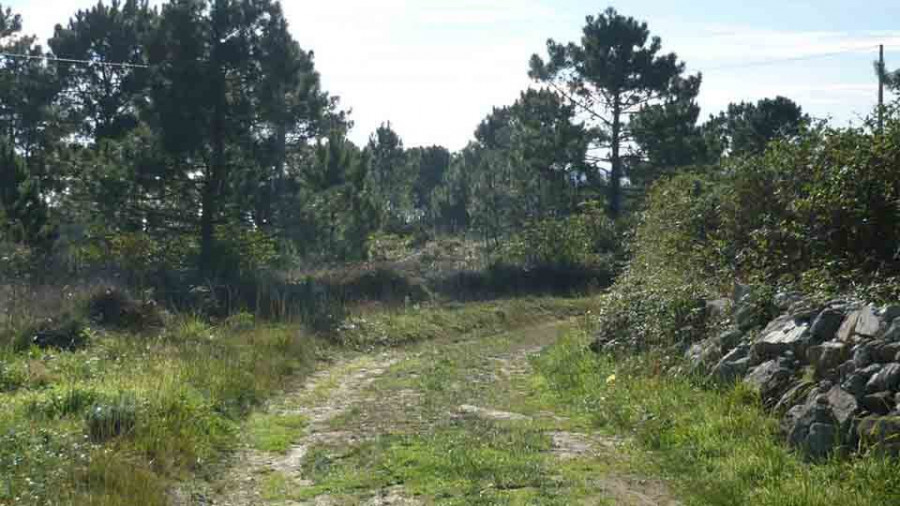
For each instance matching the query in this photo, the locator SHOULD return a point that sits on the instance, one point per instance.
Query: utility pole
(881, 72)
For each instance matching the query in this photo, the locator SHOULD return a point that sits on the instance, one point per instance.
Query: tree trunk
(212, 188)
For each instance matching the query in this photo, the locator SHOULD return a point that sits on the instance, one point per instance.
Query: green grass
(467, 461)
(121, 420)
(719, 447)
(417, 324)
(275, 432)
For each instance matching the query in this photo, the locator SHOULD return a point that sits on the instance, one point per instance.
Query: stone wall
(830, 370)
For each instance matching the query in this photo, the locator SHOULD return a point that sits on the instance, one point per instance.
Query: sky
(435, 68)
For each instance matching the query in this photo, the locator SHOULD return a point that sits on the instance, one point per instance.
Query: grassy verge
(120, 420)
(718, 447)
(115, 422)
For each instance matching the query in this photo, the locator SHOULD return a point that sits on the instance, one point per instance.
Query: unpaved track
(350, 387)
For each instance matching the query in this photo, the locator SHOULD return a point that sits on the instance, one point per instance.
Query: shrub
(114, 307)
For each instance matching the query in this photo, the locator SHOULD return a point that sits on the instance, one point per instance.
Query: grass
(719, 447)
(125, 416)
(416, 324)
(275, 432)
(130, 414)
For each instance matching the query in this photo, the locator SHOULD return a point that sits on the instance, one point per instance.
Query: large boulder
(771, 380)
(887, 352)
(826, 324)
(869, 324)
(827, 357)
(782, 335)
(733, 365)
(846, 331)
(880, 403)
(892, 334)
(888, 378)
(822, 422)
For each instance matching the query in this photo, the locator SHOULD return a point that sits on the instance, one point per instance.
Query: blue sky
(434, 68)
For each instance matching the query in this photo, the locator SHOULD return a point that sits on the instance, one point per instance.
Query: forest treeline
(196, 138)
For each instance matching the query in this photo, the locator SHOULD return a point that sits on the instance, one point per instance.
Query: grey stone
(745, 317)
(821, 440)
(729, 339)
(826, 324)
(880, 403)
(869, 324)
(855, 384)
(863, 355)
(770, 380)
(872, 370)
(729, 371)
(843, 406)
(827, 357)
(846, 369)
(887, 378)
(887, 352)
(846, 330)
(889, 312)
(795, 395)
(892, 335)
(781, 335)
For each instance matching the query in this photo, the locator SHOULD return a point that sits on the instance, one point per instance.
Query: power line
(75, 61)
(787, 60)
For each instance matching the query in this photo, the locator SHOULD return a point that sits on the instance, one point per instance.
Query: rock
(892, 335)
(795, 395)
(889, 312)
(869, 324)
(863, 355)
(703, 354)
(820, 440)
(845, 331)
(733, 365)
(826, 325)
(827, 357)
(882, 433)
(887, 378)
(804, 310)
(802, 418)
(868, 372)
(855, 384)
(846, 369)
(880, 403)
(843, 406)
(781, 335)
(821, 423)
(729, 371)
(729, 339)
(771, 380)
(887, 353)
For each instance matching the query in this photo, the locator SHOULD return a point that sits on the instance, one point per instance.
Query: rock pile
(830, 370)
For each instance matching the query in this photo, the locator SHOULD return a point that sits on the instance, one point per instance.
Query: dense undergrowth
(816, 213)
(717, 445)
